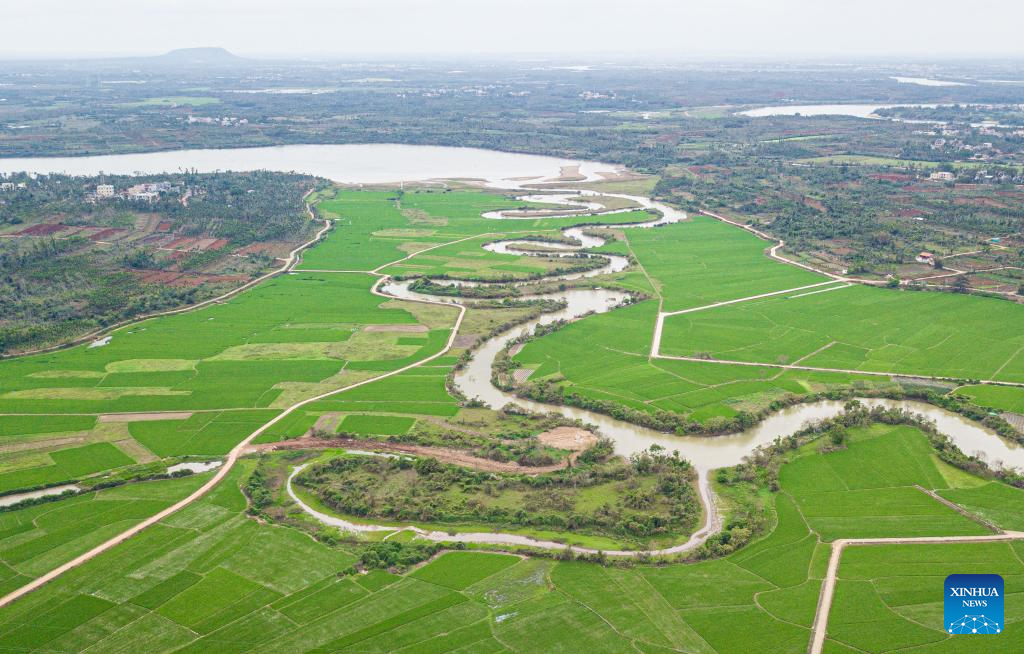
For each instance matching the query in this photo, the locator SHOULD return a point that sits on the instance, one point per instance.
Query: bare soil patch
(444, 454)
(570, 174)
(465, 340)
(568, 438)
(404, 329)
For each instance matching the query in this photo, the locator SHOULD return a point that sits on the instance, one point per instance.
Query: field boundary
(236, 452)
(819, 628)
(659, 326)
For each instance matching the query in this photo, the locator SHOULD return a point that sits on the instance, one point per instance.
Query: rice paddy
(210, 578)
(862, 328)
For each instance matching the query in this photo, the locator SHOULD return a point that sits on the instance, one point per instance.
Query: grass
(459, 570)
(210, 579)
(703, 260)
(67, 464)
(210, 433)
(605, 357)
(890, 596)
(862, 328)
(376, 425)
(35, 539)
(999, 503)
(1002, 398)
(588, 510)
(868, 160)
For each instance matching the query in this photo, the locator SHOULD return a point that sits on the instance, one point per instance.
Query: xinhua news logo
(974, 604)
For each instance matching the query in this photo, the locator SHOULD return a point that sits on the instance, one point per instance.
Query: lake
(354, 164)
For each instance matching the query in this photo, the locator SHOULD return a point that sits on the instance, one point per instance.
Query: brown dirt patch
(328, 422)
(465, 340)
(401, 329)
(447, 455)
(570, 174)
(568, 438)
(25, 446)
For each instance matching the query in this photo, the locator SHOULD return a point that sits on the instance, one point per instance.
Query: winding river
(537, 179)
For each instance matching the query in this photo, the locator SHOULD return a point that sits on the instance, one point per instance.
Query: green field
(213, 578)
(376, 425)
(862, 328)
(209, 579)
(67, 464)
(1002, 398)
(868, 160)
(703, 260)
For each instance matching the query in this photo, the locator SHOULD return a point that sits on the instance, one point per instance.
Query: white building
(105, 191)
(942, 176)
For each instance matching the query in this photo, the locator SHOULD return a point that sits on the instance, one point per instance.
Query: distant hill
(199, 56)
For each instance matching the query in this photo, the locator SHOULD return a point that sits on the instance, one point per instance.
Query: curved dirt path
(236, 452)
(241, 447)
(711, 524)
(819, 629)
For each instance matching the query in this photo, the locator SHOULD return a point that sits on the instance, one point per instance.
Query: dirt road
(238, 450)
(819, 629)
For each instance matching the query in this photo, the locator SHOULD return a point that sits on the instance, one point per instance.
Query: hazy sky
(399, 28)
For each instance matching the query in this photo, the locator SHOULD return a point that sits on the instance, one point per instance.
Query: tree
(961, 284)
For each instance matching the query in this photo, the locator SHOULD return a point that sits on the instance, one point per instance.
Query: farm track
(819, 628)
(712, 524)
(241, 447)
(711, 518)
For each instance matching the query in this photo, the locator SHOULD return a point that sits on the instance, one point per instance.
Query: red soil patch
(181, 243)
(44, 229)
(105, 234)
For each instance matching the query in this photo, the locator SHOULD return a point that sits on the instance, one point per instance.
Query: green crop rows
(210, 579)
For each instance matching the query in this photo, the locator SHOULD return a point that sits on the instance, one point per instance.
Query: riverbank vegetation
(650, 498)
(209, 577)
